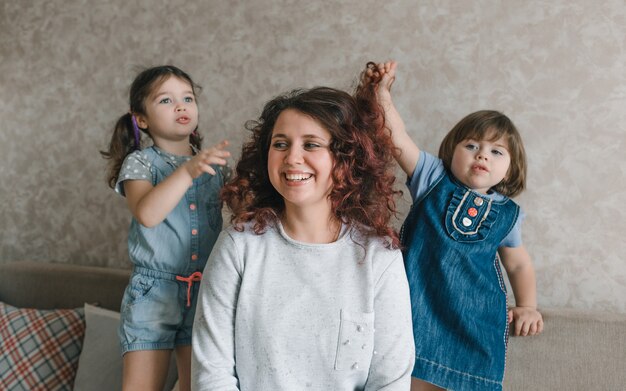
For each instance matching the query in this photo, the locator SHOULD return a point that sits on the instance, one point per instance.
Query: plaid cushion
(39, 349)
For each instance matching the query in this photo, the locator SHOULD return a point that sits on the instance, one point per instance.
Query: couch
(58, 327)
(578, 350)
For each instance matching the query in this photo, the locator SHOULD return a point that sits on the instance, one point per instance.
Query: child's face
(171, 112)
(300, 162)
(480, 165)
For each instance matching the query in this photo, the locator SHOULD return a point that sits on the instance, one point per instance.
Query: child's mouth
(479, 168)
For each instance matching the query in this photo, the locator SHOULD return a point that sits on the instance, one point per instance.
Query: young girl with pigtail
(172, 190)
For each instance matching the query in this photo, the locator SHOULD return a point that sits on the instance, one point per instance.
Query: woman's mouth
(298, 177)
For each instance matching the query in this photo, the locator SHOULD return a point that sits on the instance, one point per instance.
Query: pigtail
(125, 139)
(196, 140)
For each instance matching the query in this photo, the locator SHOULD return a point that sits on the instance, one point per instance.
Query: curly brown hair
(363, 181)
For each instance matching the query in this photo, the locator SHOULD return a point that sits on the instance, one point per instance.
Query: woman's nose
(293, 156)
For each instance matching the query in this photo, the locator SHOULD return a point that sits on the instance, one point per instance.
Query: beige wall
(557, 68)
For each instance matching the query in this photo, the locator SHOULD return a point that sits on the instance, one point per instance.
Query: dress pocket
(355, 343)
(140, 287)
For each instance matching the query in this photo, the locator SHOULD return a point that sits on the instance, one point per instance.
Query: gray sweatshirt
(277, 314)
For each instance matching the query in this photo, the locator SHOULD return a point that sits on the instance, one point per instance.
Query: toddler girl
(462, 218)
(172, 190)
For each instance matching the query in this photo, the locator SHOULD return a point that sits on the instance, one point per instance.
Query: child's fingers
(208, 154)
(532, 330)
(391, 67)
(219, 146)
(207, 168)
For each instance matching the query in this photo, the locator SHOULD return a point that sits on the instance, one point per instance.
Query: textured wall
(556, 68)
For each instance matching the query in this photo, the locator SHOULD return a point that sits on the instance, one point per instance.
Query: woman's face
(300, 162)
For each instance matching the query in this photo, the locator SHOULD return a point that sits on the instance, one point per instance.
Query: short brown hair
(491, 125)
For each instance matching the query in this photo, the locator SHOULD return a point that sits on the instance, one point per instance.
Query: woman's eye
(279, 145)
(165, 100)
(310, 146)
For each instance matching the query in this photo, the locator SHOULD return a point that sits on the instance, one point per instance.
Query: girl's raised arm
(407, 152)
(151, 204)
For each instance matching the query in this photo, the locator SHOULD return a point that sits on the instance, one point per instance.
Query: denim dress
(168, 259)
(458, 296)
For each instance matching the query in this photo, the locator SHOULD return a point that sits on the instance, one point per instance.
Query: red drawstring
(194, 277)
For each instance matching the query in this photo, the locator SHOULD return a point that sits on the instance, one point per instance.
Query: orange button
(194, 257)
(192, 206)
(472, 212)
(194, 231)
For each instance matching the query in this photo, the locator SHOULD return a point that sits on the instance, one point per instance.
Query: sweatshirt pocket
(355, 343)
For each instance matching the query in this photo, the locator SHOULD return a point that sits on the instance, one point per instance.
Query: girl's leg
(183, 362)
(421, 385)
(145, 370)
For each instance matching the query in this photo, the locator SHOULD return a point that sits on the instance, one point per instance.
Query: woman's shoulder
(367, 238)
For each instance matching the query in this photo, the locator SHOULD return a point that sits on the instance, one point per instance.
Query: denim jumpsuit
(458, 296)
(159, 302)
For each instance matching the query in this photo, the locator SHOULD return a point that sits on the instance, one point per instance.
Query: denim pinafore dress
(458, 296)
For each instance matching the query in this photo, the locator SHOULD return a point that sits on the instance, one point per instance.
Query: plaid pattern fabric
(39, 349)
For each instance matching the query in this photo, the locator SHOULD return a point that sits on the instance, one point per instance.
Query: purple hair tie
(136, 131)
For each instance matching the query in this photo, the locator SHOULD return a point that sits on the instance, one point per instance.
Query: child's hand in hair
(387, 73)
(382, 76)
(200, 163)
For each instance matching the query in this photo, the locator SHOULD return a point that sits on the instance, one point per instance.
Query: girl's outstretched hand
(382, 75)
(526, 321)
(200, 163)
(387, 71)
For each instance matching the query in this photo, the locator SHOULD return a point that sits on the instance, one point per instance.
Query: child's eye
(497, 152)
(188, 99)
(165, 100)
(471, 147)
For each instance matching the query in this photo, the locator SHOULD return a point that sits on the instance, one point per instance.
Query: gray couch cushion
(28, 284)
(578, 350)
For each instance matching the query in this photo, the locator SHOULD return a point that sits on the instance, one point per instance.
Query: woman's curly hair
(363, 180)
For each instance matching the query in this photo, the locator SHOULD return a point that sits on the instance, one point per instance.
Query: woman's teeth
(298, 177)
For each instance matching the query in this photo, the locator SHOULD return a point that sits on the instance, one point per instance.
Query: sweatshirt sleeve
(394, 353)
(213, 349)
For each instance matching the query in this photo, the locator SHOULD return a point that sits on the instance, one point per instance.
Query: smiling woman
(300, 165)
(294, 290)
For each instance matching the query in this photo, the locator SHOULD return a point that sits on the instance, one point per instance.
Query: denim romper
(458, 296)
(159, 303)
